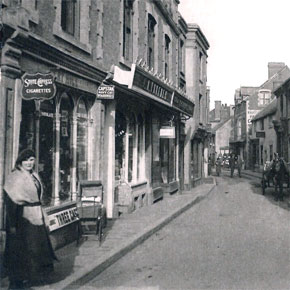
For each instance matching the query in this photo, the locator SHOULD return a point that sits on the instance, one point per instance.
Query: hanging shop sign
(167, 132)
(260, 134)
(38, 86)
(62, 218)
(106, 92)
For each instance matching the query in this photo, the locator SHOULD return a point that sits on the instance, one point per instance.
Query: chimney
(218, 105)
(274, 67)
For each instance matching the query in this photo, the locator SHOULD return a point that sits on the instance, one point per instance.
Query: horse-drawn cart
(276, 174)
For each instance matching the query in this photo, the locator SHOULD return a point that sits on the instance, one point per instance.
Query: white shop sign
(62, 218)
(167, 132)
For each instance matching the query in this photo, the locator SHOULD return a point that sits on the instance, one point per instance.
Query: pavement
(78, 264)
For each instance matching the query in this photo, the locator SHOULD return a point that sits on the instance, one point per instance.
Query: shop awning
(153, 86)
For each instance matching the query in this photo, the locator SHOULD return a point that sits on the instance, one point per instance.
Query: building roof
(269, 110)
(221, 124)
(271, 79)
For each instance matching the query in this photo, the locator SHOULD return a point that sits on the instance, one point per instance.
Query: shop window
(27, 126)
(172, 160)
(194, 159)
(82, 141)
(46, 145)
(65, 150)
(120, 146)
(140, 163)
(131, 147)
(151, 40)
(164, 156)
(36, 132)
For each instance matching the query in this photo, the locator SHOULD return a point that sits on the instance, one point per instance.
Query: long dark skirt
(28, 253)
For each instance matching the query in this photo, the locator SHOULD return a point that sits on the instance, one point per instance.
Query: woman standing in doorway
(28, 253)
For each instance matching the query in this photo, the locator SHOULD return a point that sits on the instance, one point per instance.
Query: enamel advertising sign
(38, 86)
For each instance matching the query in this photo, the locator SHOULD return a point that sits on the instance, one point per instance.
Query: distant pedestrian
(232, 162)
(28, 253)
(239, 165)
(209, 165)
(218, 164)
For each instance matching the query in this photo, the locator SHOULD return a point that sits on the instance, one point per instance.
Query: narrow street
(234, 239)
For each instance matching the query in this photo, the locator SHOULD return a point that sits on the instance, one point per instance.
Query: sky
(244, 35)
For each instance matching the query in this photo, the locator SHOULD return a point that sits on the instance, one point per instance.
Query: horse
(277, 172)
(280, 174)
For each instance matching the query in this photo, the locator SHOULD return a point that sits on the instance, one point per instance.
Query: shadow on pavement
(270, 194)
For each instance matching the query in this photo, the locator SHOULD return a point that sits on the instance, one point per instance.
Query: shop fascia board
(126, 77)
(55, 57)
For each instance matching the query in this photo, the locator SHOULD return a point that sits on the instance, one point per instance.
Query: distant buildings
(248, 102)
(221, 120)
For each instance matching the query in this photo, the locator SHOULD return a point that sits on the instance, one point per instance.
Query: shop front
(53, 111)
(145, 138)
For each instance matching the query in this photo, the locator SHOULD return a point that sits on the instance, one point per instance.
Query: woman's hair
(23, 155)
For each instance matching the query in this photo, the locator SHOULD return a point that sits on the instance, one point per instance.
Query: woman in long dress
(28, 253)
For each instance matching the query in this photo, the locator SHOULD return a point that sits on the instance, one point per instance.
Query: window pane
(65, 147)
(120, 145)
(140, 146)
(172, 160)
(82, 141)
(46, 139)
(132, 135)
(164, 155)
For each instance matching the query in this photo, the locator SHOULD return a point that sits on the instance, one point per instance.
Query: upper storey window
(70, 16)
(264, 97)
(166, 56)
(127, 29)
(151, 37)
(200, 66)
(72, 23)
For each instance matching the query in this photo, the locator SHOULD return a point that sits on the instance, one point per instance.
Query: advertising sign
(38, 86)
(167, 132)
(106, 92)
(62, 218)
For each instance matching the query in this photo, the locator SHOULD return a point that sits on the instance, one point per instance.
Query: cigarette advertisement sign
(62, 218)
(106, 92)
(38, 86)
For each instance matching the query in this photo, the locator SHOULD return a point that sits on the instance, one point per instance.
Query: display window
(132, 146)
(57, 130)
(82, 138)
(141, 149)
(168, 159)
(27, 126)
(120, 146)
(129, 147)
(46, 145)
(195, 159)
(65, 146)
